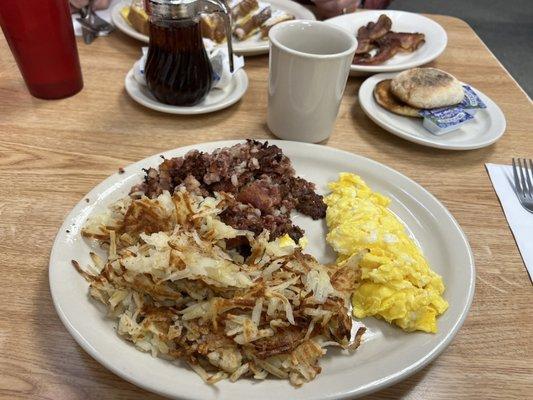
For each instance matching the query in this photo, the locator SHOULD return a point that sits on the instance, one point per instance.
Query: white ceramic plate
(122, 25)
(217, 99)
(251, 46)
(402, 21)
(386, 355)
(486, 128)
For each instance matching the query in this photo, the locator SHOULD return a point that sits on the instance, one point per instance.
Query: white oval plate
(249, 47)
(402, 21)
(216, 99)
(486, 128)
(386, 355)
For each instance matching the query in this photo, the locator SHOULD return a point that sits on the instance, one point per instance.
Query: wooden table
(53, 152)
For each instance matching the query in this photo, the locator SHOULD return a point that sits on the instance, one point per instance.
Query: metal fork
(523, 182)
(88, 33)
(92, 25)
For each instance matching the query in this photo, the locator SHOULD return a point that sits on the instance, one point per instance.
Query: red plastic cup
(41, 38)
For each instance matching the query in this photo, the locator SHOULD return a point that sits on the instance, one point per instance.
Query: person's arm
(375, 4)
(332, 8)
(98, 4)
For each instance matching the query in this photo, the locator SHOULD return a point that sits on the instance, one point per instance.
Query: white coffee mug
(308, 68)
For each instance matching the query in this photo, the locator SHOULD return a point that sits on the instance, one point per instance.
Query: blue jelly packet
(443, 120)
(471, 102)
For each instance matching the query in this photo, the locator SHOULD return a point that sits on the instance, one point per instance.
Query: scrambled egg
(396, 282)
(285, 241)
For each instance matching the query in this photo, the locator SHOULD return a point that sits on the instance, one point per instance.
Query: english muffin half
(427, 88)
(388, 101)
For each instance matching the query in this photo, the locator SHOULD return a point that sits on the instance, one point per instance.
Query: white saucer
(217, 99)
(486, 128)
(435, 36)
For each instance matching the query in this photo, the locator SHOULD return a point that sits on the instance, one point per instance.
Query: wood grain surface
(53, 152)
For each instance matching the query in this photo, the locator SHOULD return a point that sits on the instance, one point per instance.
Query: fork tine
(525, 188)
(525, 178)
(529, 174)
(517, 185)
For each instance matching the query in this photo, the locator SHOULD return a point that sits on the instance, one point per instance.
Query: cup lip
(282, 25)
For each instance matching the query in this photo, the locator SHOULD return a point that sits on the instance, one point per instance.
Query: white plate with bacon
(251, 23)
(390, 41)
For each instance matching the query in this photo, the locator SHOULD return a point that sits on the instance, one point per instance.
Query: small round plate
(436, 38)
(486, 128)
(249, 47)
(386, 355)
(217, 99)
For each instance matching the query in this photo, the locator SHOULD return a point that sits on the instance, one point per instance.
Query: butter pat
(471, 102)
(443, 120)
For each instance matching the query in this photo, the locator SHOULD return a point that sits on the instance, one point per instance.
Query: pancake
(386, 99)
(427, 88)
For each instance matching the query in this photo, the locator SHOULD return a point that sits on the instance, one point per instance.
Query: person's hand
(332, 8)
(98, 4)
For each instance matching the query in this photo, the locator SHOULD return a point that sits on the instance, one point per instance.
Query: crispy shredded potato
(177, 292)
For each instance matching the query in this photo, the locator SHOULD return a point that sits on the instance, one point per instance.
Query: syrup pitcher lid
(173, 8)
(184, 8)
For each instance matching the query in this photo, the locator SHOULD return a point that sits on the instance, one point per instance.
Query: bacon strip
(366, 35)
(379, 35)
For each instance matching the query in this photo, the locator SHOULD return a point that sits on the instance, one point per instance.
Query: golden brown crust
(213, 27)
(385, 98)
(139, 20)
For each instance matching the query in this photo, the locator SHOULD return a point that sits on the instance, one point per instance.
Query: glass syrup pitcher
(178, 71)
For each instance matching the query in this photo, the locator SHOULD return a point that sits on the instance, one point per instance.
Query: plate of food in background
(389, 40)
(251, 22)
(431, 107)
(247, 266)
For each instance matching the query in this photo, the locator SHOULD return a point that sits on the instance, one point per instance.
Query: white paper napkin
(105, 14)
(519, 219)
